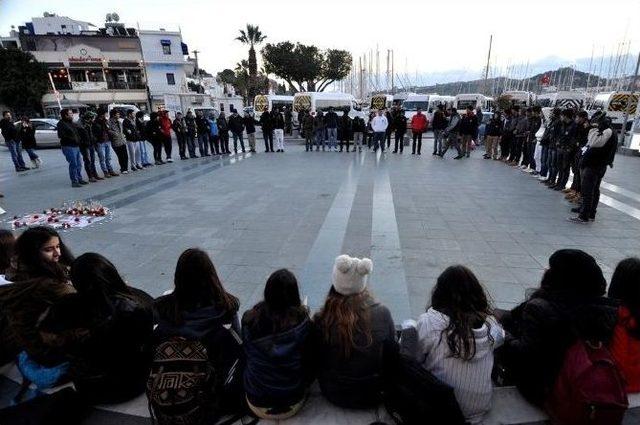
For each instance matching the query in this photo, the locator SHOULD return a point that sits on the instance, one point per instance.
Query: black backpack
(413, 396)
(190, 385)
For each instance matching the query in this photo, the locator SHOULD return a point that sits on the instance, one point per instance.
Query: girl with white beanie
(357, 333)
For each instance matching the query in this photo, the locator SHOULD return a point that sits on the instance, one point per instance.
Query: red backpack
(589, 389)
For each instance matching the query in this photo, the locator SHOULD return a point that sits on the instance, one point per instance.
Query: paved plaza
(413, 215)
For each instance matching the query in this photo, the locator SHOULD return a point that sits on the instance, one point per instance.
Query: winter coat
(115, 132)
(109, 350)
(454, 125)
(566, 136)
(249, 124)
(400, 122)
(358, 125)
(379, 124)
(625, 349)
(539, 332)
(27, 135)
(534, 125)
(236, 124)
(279, 366)
(356, 382)
(318, 123)
(469, 125)
(8, 130)
(86, 134)
(277, 121)
(130, 130)
(165, 125)
(601, 148)
(265, 122)
(419, 123)
(521, 126)
(190, 123)
(213, 128)
(582, 133)
(100, 131)
(494, 128)
(470, 379)
(202, 125)
(223, 126)
(345, 125)
(68, 133)
(179, 127)
(550, 131)
(439, 120)
(142, 129)
(153, 131)
(307, 124)
(331, 119)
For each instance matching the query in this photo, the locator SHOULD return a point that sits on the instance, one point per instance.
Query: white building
(164, 58)
(50, 24)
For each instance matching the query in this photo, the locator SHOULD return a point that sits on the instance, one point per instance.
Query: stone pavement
(413, 215)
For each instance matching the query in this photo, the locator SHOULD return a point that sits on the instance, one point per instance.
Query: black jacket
(223, 125)
(469, 125)
(153, 131)
(331, 120)
(130, 130)
(179, 127)
(86, 134)
(68, 133)
(534, 125)
(100, 131)
(8, 130)
(400, 122)
(202, 124)
(566, 136)
(358, 125)
(236, 124)
(191, 125)
(266, 122)
(277, 121)
(493, 128)
(439, 120)
(345, 124)
(601, 156)
(27, 135)
(249, 124)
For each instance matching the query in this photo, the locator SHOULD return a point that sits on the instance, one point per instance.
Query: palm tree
(252, 36)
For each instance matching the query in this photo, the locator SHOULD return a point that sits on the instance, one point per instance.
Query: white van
(517, 97)
(614, 104)
(321, 101)
(415, 102)
(561, 99)
(381, 101)
(267, 102)
(464, 100)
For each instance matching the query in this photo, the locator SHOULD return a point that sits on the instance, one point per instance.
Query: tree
(23, 81)
(306, 68)
(252, 36)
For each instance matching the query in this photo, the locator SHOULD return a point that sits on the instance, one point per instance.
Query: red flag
(545, 80)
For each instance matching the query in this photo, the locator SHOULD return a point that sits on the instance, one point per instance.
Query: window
(166, 49)
(171, 79)
(78, 75)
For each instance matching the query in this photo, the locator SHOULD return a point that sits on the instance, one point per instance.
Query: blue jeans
(551, 164)
(544, 158)
(142, 145)
(320, 139)
(32, 154)
(437, 140)
(15, 147)
(72, 154)
(378, 140)
(332, 135)
(203, 144)
(104, 156)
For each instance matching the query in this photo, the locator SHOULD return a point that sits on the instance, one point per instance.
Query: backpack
(414, 396)
(190, 385)
(589, 388)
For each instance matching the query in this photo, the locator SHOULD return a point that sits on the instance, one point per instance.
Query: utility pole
(627, 111)
(197, 70)
(393, 87)
(486, 70)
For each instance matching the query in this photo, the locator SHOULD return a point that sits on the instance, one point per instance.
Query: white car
(46, 132)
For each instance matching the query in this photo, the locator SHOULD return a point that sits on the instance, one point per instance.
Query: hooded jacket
(601, 148)
(279, 368)
(470, 379)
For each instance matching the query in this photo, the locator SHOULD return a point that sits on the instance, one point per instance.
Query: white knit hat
(350, 274)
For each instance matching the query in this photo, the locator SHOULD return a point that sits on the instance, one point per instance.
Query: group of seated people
(79, 321)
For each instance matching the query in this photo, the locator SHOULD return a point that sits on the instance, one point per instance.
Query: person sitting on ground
(357, 333)
(40, 276)
(104, 331)
(625, 344)
(7, 244)
(456, 338)
(279, 345)
(569, 305)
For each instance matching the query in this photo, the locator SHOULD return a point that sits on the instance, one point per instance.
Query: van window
(280, 104)
(337, 104)
(463, 104)
(414, 105)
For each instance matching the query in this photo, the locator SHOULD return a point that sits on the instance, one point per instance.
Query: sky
(426, 36)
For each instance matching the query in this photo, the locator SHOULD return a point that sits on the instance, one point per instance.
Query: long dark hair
(97, 279)
(625, 287)
(7, 244)
(281, 308)
(197, 285)
(459, 295)
(29, 261)
(342, 318)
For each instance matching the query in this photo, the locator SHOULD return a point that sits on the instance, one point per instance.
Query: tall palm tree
(252, 36)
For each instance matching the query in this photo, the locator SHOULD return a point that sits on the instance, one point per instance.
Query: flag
(545, 80)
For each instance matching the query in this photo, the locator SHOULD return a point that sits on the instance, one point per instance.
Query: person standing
(180, 129)
(203, 134)
(493, 132)
(250, 128)
(520, 134)
(345, 130)
(582, 132)
(223, 130)
(10, 135)
(307, 130)
(319, 130)
(439, 124)
(451, 135)
(331, 124)
(507, 134)
(165, 126)
(359, 128)
(547, 145)
(288, 119)
(379, 126)
(419, 124)
(599, 153)
(118, 143)
(390, 127)
(529, 160)
(236, 125)
(27, 137)
(88, 146)
(278, 129)
(468, 130)
(267, 131)
(103, 146)
(400, 126)
(131, 135)
(154, 135)
(191, 133)
(70, 145)
(142, 144)
(565, 148)
(214, 136)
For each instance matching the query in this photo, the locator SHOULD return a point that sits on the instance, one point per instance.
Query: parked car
(46, 133)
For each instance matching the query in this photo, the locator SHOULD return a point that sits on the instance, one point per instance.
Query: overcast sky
(425, 35)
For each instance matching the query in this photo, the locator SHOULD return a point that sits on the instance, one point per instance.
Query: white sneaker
(542, 178)
(39, 162)
(35, 163)
(125, 172)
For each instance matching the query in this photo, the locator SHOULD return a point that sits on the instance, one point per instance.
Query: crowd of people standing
(66, 319)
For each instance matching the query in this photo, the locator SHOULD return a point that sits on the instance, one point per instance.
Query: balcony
(122, 85)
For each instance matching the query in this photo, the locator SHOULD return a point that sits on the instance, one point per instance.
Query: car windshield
(412, 105)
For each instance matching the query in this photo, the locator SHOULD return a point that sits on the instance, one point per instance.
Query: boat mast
(486, 70)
